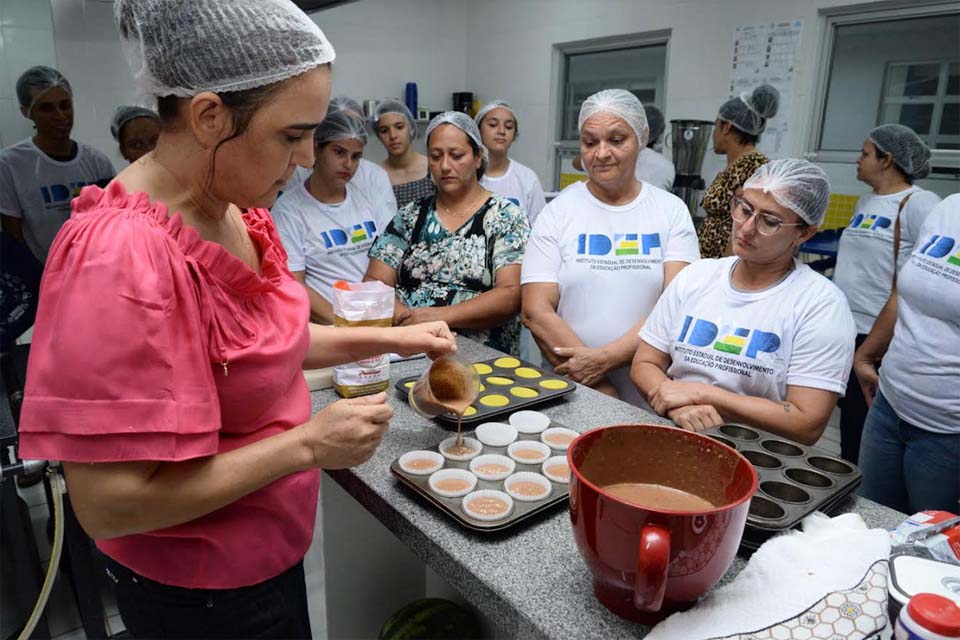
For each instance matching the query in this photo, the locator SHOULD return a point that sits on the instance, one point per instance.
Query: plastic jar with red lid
(928, 616)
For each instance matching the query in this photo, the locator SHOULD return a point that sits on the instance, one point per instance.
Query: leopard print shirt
(716, 228)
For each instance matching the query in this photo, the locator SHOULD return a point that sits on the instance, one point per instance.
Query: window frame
(939, 101)
(559, 86)
(831, 18)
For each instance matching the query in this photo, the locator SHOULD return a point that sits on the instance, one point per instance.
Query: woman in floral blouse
(456, 255)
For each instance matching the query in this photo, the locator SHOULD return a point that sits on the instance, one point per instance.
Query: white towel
(829, 580)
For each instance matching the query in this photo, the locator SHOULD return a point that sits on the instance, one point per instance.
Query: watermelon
(431, 619)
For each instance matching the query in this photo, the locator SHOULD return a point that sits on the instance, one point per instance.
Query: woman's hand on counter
(347, 432)
(583, 364)
(673, 394)
(433, 338)
(695, 417)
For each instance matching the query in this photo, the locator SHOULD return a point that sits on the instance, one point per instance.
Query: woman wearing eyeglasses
(757, 337)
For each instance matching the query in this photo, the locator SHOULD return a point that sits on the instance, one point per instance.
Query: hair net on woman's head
(184, 47)
(499, 104)
(124, 114)
(36, 81)
(345, 103)
(656, 123)
(798, 185)
(749, 112)
(910, 153)
(341, 125)
(461, 121)
(389, 105)
(620, 103)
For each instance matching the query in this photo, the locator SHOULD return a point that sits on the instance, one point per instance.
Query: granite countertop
(530, 579)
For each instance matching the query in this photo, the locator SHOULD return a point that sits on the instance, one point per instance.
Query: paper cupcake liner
(487, 493)
(489, 458)
(530, 421)
(473, 443)
(557, 430)
(410, 456)
(460, 474)
(549, 462)
(526, 476)
(539, 447)
(496, 434)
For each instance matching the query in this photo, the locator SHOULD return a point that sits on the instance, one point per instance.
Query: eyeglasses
(767, 223)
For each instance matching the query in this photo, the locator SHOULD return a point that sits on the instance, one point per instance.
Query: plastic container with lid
(928, 616)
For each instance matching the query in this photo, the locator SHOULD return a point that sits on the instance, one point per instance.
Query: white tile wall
(26, 39)
(511, 42)
(90, 55)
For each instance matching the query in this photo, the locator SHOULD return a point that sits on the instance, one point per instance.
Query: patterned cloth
(411, 191)
(436, 267)
(716, 228)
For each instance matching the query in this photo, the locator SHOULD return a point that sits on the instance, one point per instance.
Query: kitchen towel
(827, 581)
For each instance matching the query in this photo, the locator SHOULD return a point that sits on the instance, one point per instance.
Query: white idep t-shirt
(521, 186)
(328, 242)
(920, 376)
(608, 261)
(370, 178)
(38, 189)
(798, 332)
(655, 168)
(864, 269)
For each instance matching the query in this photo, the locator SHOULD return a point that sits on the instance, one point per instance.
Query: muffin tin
(520, 508)
(507, 384)
(795, 480)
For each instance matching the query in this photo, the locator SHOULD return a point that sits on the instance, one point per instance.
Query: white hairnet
(498, 104)
(124, 114)
(461, 121)
(184, 47)
(749, 112)
(656, 122)
(341, 125)
(910, 153)
(346, 103)
(389, 105)
(798, 185)
(620, 103)
(36, 81)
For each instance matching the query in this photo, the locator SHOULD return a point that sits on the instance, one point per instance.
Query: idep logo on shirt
(357, 233)
(939, 247)
(623, 244)
(735, 340)
(872, 222)
(57, 193)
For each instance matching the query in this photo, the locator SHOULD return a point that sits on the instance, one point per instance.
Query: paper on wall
(768, 54)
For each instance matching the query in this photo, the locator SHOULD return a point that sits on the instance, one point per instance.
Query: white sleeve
(385, 195)
(823, 345)
(9, 203)
(535, 200)
(660, 328)
(682, 244)
(915, 214)
(292, 232)
(542, 259)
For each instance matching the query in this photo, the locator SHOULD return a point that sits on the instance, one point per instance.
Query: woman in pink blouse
(166, 362)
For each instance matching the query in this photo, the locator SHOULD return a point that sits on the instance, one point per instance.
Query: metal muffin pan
(795, 479)
(485, 413)
(559, 492)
